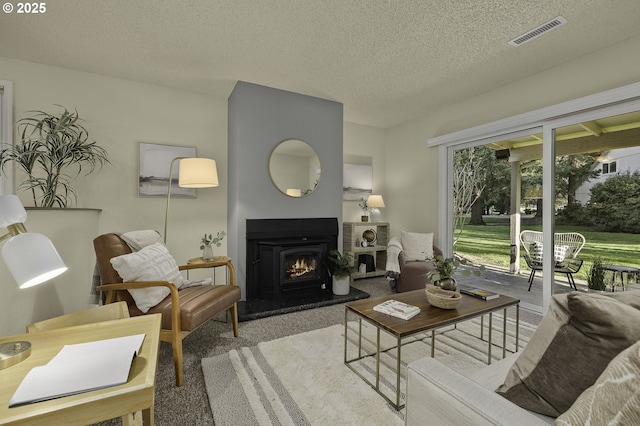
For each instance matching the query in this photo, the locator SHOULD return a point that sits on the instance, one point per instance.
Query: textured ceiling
(386, 61)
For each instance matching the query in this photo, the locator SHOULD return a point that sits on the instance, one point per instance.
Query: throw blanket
(394, 247)
(393, 251)
(136, 240)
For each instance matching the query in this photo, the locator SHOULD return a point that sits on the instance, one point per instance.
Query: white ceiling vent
(537, 32)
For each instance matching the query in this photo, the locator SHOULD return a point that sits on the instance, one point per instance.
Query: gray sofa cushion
(614, 398)
(578, 337)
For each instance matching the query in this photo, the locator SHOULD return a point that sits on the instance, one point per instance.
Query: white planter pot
(341, 285)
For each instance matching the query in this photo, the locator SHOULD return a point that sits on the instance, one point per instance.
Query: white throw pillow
(417, 246)
(559, 253)
(537, 252)
(151, 263)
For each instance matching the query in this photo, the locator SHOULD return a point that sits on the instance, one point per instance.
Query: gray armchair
(413, 273)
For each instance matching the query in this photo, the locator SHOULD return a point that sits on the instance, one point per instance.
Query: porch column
(516, 185)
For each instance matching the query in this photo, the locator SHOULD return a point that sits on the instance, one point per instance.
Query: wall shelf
(352, 234)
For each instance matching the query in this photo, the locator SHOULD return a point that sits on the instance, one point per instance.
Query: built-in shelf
(352, 236)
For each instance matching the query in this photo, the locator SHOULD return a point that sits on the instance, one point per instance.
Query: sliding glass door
(555, 137)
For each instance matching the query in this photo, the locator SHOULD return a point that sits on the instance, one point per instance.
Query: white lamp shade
(32, 259)
(198, 173)
(11, 211)
(375, 201)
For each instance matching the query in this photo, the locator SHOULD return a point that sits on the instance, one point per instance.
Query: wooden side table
(200, 263)
(622, 270)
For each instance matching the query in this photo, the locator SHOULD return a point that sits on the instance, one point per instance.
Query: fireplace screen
(300, 265)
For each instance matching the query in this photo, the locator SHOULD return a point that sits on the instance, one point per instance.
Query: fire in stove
(301, 267)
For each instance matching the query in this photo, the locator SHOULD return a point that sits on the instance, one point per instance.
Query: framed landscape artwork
(357, 182)
(153, 176)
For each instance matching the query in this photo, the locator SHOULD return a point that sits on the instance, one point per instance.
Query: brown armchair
(182, 311)
(413, 273)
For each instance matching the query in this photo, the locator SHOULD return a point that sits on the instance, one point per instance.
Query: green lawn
(489, 245)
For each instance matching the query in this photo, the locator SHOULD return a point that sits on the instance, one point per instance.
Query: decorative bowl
(443, 299)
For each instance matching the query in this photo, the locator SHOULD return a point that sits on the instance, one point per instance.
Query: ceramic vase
(341, 285)
(207, 253)
(447, 284)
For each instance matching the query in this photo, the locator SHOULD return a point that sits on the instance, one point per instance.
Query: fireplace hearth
(287, 266)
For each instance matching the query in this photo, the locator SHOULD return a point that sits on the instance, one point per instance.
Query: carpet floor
(302, 379)
(189, 404)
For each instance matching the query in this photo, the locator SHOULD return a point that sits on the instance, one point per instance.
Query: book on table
(79, 368)
(397, 309)
(479, 293)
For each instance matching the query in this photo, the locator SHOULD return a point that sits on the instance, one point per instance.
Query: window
(613, 102)
(608, 168)
(6, 134)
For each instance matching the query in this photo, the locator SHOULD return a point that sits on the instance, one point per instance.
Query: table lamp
(193, 173)
(375, 202)
(31, 258)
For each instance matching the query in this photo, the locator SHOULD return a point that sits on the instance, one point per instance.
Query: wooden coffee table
(430, 318)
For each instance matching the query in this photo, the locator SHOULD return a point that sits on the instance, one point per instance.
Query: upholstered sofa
(439, 395)
(582, 366)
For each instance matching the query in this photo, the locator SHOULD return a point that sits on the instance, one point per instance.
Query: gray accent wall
(259, 119)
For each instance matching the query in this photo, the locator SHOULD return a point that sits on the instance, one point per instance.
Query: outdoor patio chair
(566, 247)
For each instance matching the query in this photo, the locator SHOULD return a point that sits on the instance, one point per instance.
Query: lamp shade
(32, 259)
(375, 201)
(11, 211)
(198, 173)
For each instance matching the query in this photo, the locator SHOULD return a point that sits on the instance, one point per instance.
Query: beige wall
(412, 168)
(364, 145)
(118, 114)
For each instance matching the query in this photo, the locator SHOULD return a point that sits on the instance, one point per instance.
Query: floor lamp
(30, 257)
(193, 173)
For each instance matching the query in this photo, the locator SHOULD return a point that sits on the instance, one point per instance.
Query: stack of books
(397, 309)
(479, 293)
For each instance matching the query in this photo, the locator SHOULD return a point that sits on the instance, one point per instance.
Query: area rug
(302, 379)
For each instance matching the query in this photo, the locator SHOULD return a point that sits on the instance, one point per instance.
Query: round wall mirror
(294, 168)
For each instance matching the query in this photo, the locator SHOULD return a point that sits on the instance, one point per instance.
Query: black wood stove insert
(287, 266)
(287, 258)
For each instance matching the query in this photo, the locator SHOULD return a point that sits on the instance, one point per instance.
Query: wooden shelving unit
(352, 232)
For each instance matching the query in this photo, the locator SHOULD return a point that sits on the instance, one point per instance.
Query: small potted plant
(365, 210)
(207, 242)
(595, 277)
(445, 268)
(342, 266)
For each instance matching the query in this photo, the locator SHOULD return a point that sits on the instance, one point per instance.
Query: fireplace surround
(287, 267)
(287, 258)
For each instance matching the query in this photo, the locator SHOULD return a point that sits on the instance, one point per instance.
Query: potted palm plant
(342, 266)
(53, 150)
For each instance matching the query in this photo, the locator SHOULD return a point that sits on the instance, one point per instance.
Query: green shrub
(615, 203)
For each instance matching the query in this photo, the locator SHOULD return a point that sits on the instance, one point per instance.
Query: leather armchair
(183, 311)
